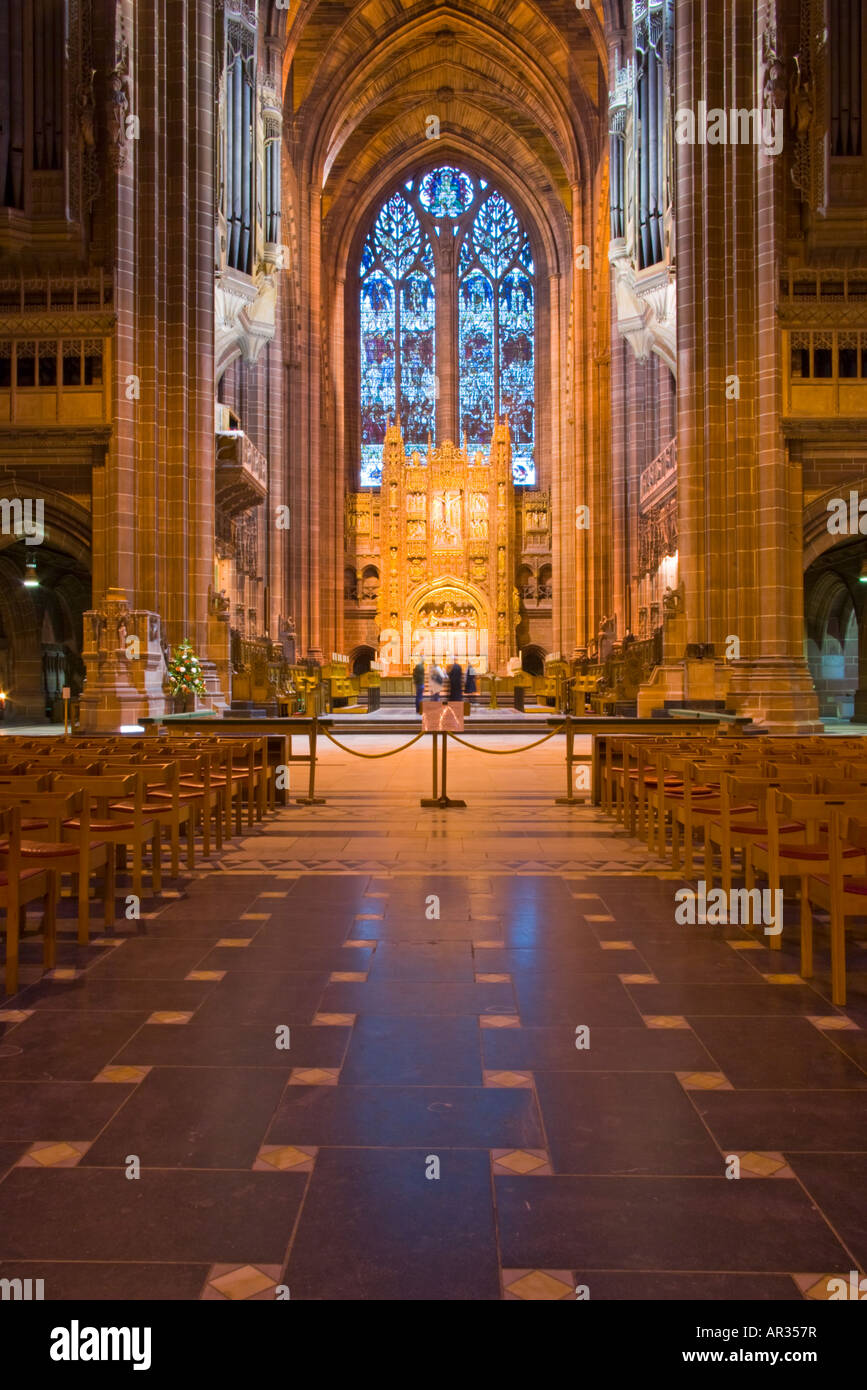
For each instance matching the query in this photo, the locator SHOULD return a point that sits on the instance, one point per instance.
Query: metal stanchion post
(311, 799)
(445, 800)
(570, 799)
(433, 800)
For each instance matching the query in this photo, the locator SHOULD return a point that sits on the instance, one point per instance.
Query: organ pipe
(652, 107)
(855, 71)
(247, 172)
(5, 113)
(237, 155)
(845, 78)
(38, 84)
(15, 195)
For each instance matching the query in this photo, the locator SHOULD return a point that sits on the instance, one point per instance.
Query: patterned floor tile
(122, 1075)
(314, 1076)
(664, 1021)
(763, 1165)
(822, 1288)
(509, 1079)
(283, 1158)
(241, 1282)
(521, 1162)
(538, 1285)
(831, 1023)
(60, 1154)
(703, 1081)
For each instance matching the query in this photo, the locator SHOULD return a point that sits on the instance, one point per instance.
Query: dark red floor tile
(404, 1116)
(165, 1215)
(397, 1234)
(670, 1223)
(396, 1051)
(192, 1117)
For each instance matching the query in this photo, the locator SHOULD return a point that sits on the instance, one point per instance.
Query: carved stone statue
(606, 637)
(287, 639)
(672, 601)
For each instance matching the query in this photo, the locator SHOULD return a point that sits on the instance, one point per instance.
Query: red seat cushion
(25, 873)
(812, 851)
(101, 825)
(50, 849)
(753, 828)
(152, 806)
(850, 885)
(34, 825)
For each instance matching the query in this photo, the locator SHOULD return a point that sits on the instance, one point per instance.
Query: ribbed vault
(519, 91)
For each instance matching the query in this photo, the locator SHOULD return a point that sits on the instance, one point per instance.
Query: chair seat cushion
(101, 826)
(147, 806)
(34, 825)
(182, 796)
(850, 885)
(812, 851)
(753, 828)
(24, 874)
(50, 849)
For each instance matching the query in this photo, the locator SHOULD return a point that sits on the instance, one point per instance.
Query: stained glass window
(408, 259)
(446, 192)
(397, 334)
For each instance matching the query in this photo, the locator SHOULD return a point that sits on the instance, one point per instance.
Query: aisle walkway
(432, 1130)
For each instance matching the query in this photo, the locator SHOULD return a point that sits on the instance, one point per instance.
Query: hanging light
(31, 579)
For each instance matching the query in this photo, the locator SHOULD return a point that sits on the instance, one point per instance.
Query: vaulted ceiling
(519, 87)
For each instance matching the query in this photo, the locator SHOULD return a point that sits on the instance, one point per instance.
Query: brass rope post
(433, 799)
(311, 799)
(570, 799)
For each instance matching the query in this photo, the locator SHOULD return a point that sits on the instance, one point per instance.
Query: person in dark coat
(418, 682)
(456, 681)
(470, 682)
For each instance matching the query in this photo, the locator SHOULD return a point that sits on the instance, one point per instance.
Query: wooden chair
(841, 893)
(742, 821)
(125, 829)
(20, 885)
(164, 803)
(801, 856)
(50, 844)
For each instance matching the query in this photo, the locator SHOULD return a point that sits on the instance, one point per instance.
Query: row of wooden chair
(765, 809)
(76, 807)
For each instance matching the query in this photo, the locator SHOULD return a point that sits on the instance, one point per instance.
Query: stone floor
(382, 1052)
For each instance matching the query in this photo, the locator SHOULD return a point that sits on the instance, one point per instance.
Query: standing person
(456, 681)
(470, 683)
(436, 680)
(418, 682)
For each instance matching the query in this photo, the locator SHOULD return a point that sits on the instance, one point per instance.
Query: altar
(441, 534)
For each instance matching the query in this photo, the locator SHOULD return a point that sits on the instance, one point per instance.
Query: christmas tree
(185, 671)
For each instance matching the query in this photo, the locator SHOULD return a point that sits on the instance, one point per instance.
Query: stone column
(859, 713)
(739, 496)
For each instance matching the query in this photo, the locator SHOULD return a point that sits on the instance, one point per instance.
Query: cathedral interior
(347, 349)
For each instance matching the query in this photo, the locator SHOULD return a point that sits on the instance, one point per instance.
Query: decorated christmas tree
(185, 671)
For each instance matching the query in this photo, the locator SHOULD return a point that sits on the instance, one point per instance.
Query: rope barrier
(505, 752)
(388, 754)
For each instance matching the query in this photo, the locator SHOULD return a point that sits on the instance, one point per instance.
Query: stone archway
(448, 617)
